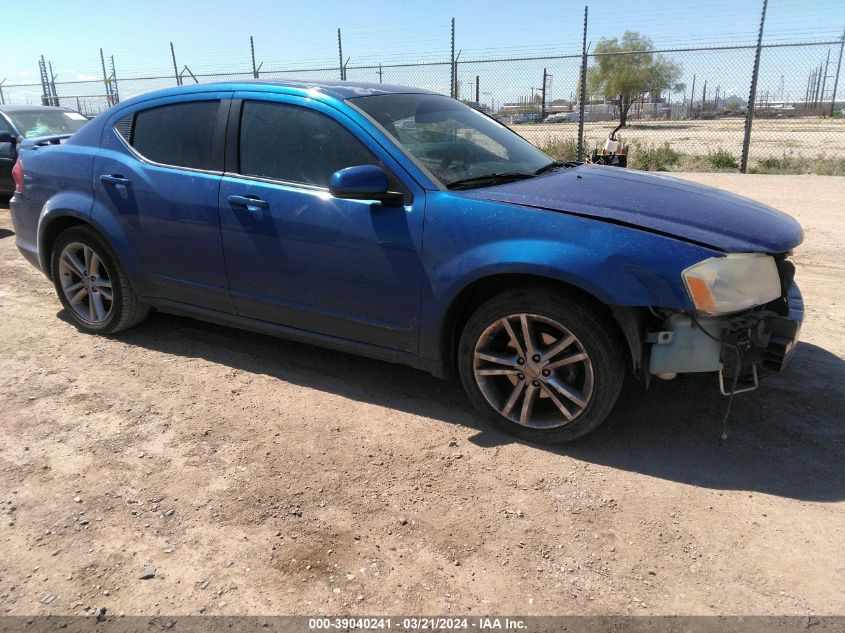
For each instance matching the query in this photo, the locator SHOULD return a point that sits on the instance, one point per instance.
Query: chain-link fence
(696, 123)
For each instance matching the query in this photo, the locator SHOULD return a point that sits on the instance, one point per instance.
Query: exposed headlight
(738, 281)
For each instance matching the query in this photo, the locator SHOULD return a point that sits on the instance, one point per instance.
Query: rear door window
(296, 144)
(178, 134)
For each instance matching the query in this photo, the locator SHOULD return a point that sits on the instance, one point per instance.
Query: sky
(214, 35)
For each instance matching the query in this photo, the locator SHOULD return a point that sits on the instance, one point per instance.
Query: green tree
(623, 72)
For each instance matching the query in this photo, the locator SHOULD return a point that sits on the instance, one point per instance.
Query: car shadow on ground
(785, 439)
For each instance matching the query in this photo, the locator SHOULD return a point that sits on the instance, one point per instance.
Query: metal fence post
(457, 91)
(55, 99)
(452, 64)
(582, 98)
(749, 115)
(836, 79)
(175, 67)
(114, 93)
(824, 76)
(691, 109)
(543, 96)
(2, 99)
(252, 54)
(106, 82)
(340, 55)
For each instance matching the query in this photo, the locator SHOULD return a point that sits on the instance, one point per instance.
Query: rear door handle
(115, 179)
(250, 203)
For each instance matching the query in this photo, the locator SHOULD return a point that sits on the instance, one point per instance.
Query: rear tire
(99, 300)
(557, 385)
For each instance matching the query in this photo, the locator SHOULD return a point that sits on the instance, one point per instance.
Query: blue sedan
(406, 226)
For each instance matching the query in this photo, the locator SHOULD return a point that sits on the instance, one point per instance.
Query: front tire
(541, 365)
(91, 283)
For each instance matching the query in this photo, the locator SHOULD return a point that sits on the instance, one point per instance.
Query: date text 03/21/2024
(417, 624)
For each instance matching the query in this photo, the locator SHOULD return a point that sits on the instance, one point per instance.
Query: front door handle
(250, 203)
(115, 179)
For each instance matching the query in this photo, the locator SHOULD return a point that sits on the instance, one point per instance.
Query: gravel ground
(183, 468)
(770, 138)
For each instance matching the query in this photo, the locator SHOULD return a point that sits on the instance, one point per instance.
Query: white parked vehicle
(565, 117)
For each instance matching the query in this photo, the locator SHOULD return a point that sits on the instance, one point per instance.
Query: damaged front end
(742, 347)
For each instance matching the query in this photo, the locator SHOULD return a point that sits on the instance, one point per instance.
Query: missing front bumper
(741, 348)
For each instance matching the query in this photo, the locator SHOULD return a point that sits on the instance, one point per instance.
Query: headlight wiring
(738, 336)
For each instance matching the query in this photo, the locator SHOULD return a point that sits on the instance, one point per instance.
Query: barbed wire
(521, 83)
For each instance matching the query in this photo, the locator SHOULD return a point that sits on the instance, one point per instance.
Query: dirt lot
(265, 477)
(809, 137)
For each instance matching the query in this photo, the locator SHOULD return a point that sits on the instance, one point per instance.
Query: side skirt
(304, 336)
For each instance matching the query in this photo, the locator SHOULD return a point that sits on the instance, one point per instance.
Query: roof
(338, 89)
(30, 108)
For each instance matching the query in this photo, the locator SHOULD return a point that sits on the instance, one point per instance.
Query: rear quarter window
(178, 134)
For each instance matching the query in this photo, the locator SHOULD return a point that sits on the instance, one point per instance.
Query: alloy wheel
(85, 283)
(533, 371)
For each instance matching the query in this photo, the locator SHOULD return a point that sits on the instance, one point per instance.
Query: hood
(661, 204)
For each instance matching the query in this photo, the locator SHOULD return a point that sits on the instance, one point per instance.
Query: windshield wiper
(488, 180)
(555, 164)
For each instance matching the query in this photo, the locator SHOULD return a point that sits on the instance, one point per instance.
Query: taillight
(17, 176)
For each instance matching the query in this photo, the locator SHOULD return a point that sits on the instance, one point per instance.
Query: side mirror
(8, 137)
(363, 182)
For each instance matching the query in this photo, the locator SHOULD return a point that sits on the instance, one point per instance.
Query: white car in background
(565, 117)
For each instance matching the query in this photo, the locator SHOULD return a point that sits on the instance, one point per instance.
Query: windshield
(458, 144)
(32, 123)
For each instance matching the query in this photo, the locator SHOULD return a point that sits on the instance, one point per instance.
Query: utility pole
(583, 95)
(175, 67)
(340, 55)
(836, 79)
(452, 81)
(252, 54)
(749, 115)
(2, 99)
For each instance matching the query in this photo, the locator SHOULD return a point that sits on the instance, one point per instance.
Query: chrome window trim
(148, 161)
(275, 181)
